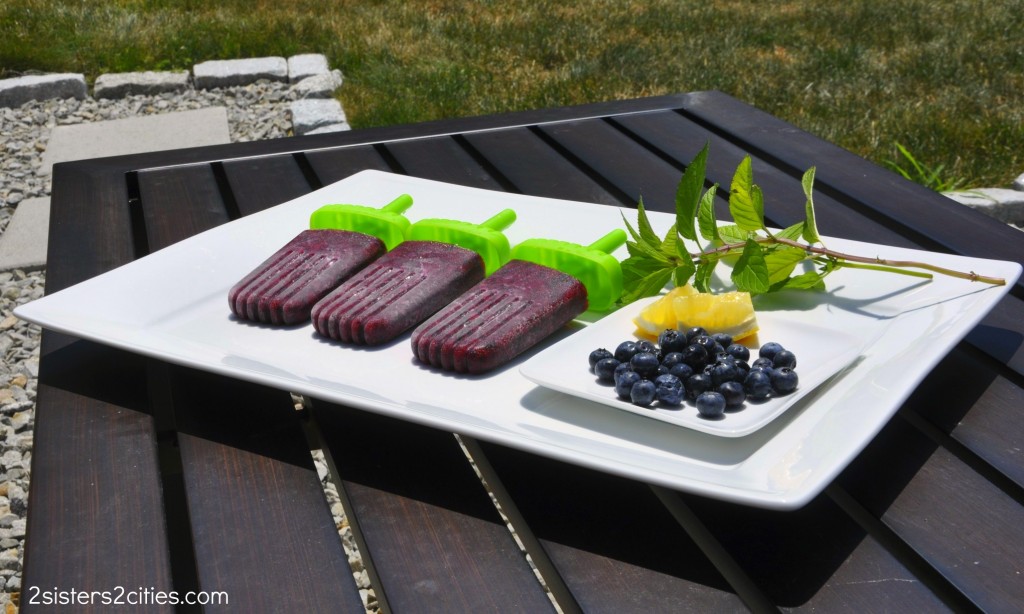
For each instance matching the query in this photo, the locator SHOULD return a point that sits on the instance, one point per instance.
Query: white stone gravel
(256, 111)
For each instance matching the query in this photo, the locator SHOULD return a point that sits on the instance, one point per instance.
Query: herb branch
(762, 261)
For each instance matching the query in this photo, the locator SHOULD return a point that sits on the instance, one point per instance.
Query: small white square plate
(821, 354)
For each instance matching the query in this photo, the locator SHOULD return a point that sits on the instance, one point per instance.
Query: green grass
(945, 78)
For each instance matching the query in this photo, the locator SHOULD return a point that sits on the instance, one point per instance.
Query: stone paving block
(229, 73)
(319, 86)
(23, 243)
(306, 65)
(19, 90)
(119, 85)
(1002, 204)
(331, 128)
(136, 135)
(310, 114)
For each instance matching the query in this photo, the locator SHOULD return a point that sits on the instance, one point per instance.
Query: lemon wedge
(660, 314)
(730, 312)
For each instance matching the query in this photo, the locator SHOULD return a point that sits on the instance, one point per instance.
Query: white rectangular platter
(173, 305)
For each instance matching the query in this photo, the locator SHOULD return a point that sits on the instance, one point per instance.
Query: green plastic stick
(485, 239)
(387, 223)
(595, 267)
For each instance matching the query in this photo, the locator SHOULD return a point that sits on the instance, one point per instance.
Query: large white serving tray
(173, 305)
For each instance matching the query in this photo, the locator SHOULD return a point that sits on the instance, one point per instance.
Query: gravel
(257, 111)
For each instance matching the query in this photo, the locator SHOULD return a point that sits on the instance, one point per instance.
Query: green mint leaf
(688, 194)
(706, 215)
(745, 201)
(638, 267)
(649, 285)
(647, 233)
(812, 280)
(632, 231)
(670, 245)
(792, 233)
(781, 262)
(733, 234)
(682, 273)
(810, 228)
(702, 276)
(652, 252)
(751, 272)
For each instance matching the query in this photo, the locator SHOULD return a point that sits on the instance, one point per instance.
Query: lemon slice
(730, 312)
(660, 314)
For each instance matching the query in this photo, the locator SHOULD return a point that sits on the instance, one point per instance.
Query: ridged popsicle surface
(397, 292)
(284, 288)
(518, 306)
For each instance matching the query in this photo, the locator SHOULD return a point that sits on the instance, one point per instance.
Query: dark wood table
(152, 476)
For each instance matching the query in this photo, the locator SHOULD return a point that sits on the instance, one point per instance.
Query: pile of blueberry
(709, 370)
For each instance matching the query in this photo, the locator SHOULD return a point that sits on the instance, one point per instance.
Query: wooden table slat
(337, 163)
(524, 159)
(955, 519)
(96, 516)
(611, 541)
(180, 201)
(261, 526)
(441, 159)
(436, 543)
(259, 183)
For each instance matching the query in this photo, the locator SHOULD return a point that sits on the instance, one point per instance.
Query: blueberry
(697, 384)
(625, 351)
(784, 380)
(671, 359)
(740, 352)
(724, 357)
(681, 370)
(758, 385)
(761, 363)
(784, 358)
(642, 393)
(705, 342)
(598, 355)
(672, 340)
(646, 346)
(769, 350)
(721, 373)
(619, 370)
(669, 390)
(742, 368)
(645, 363)
(662, 370)
(711, 404)
(722, 339)
(733, 393)
(696, 331)
(695, 356)
(624, 383)
(605, 369)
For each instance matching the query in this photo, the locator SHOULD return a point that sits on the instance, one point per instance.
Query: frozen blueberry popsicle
(440, 260)
(341, 240)
(545, 285)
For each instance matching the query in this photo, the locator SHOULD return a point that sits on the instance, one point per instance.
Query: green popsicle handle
(598, 271)
(386, 223)
(485, 238)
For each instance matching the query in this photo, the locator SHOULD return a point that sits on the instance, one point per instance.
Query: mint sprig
(762, 261)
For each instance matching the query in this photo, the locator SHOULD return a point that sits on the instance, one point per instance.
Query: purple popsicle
(499, 318)
(441, 260)
(341, 240)
(283, 289)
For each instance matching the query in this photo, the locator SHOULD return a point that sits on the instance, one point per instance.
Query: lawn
(944, 78)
